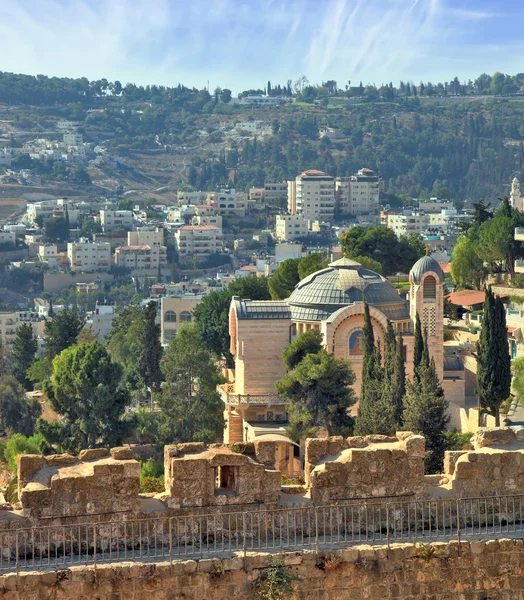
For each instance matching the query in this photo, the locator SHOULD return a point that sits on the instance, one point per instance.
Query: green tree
(393, 386)
(18, 444)
(190, 406)
(61, 331)
(17, 413)
(284, 279)
(151, 353)
(309, 342)
(425, 413)
(125, 341)
(85, 388)
(467, 268)
(493, 358)
(212, 314)
(369, 263)
(23, 354)
(56, 229)
(495, 245)
(311, 264)
(320, 395)
(418, 347)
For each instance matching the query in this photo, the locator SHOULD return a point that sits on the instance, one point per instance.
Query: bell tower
(427, 299)
(515, 199)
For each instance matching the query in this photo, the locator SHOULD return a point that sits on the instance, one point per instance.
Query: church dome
(342, 283)
(426, 264)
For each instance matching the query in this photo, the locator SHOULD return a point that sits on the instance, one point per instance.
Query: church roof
(261, 309)
(424, 265)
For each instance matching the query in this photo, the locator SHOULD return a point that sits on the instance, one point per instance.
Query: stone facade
(198, 476)
(365, 467)
(480, 570)
(65, 486)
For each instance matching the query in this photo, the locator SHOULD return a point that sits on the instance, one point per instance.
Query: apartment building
(269, 193)
(102, 320)
(86, 255)
(406, 224)
(11, 321)
(228, 203)
(146, 236)
(52, 208)
(358, 194)
(312, 195)
(290, 227)
(111, 219)
(191, 198)
(141, 258)
(174, 311)
(198, 241)
(73, 139)
(7, 237)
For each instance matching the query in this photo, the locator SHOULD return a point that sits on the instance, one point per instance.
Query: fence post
(387, 528)
(316, 529)
(244, 537)
(17, 560)
(94, 544)
(171, 546)
(458, 525)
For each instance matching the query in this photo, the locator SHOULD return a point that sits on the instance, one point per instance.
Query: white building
(7, 237)
(85, 255)
(515, 198)
(141, 258)
(73, 139)
(312, 195)
(112, 219)
(406, 224)
(358, 194)
(11, 321)
(149, 236)
(198, 241)
(191, 198)
(102, 320)
(228, 202)
(290, 227)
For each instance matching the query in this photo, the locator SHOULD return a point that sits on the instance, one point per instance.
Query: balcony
(519, 235)
(228, 396)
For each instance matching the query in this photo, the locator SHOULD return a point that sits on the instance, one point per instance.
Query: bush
(19, 444)
(454, 440)
(149, 485)
(151, 476)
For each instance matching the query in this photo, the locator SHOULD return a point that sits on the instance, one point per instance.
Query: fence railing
(320, 527)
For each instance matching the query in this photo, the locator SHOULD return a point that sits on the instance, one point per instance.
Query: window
(430, 287)
(225, 480)
(170, 316)
(185, 316)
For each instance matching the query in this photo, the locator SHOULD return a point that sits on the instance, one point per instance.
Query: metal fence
(294, 528)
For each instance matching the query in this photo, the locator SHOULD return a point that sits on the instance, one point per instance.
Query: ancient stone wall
(364, 467)
(480, 570)
(95, 482)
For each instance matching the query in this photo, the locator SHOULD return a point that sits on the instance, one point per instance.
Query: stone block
(190, 447)
(381, 439)
(93, 453)
(450, 459)
(493, 436)
(122, 453)
(357, 441)
(60, 459)
(403, 435)
(28, 465)
(415, 446)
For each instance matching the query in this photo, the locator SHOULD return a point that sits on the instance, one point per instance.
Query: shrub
(151, 476)
(149, 485)
(20, 444)
(454, 440)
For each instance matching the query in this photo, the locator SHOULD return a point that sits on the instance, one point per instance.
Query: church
(331, 300)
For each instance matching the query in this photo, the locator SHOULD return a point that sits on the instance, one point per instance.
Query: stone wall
(62, 485)
(480, 570)
(364, 467)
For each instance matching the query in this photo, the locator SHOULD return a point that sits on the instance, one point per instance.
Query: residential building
(191, 198)
(85, 255)
(275, 191)
(52, 208)
(73, 139)
(358, 194)
(285, 251)
(150, 236)
(102, 320)
(407, 223)
(290, 227)
(7, 237)
(198, 241)
(174, 311)
(257, 194)
(436, 205)
(260, 100)
(312, 195)
(112, 219)
(11, 321)
(228, 202)
(141, 258)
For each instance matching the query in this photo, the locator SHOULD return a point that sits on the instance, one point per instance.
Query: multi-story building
(85, 255)
(7, 237)
(198, 241)
(73, 139)
(11, 321)
(175, 310)
(358, 194)
(111, 219)
(102, 320)
(406, 224)
(269, 193)
(141, 258)
(312, 195)
(228, 202)
(190, 198)
(150, 236)
(290, 227)
(52, 208)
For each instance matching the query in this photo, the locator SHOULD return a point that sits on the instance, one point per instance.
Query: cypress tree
(23, 354)
(149, 362)
(368, 389)
(419, 344)
(493, 359)
(398, 386)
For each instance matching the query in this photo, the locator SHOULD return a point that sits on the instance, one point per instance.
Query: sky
(241, 44)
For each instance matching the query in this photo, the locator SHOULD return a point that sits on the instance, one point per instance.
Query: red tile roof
(199, 228)
(466, 297)
(446, 267)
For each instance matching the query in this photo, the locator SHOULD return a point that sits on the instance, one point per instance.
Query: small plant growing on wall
(276, 583)
(328, 562)
(427, 552)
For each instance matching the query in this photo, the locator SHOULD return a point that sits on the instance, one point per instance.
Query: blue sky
(242, 43)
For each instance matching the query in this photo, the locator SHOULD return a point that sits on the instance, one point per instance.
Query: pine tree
(493, 359)
(23, 354)
(419, 344)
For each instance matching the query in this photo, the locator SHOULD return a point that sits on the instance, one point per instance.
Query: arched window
(185, 316)
(170, 316)
(169, 335)
(430, 287)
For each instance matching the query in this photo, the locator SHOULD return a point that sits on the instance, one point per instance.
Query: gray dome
(344, 282)
(426, 264)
